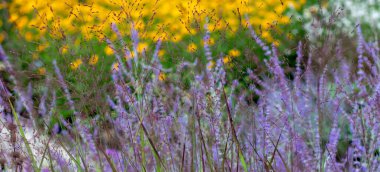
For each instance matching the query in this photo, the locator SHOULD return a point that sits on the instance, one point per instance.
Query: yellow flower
(75, 64)
(13, 17)
(161, 53)
(89, 21)
(210, 28)
(176, 37)
(234, 53)
(192, 48)
(267, 36)
(93, 60)
(42, 47)
(193, 31)
(209, 41)
(142, 47)
(108, 50)
(2, 36)
(28, 36)
(276, 43)
(115, 67)
(226, 59)
(64, 49)
(162, 76)
(42, 71)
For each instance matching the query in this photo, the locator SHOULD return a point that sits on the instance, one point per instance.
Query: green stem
(31, 156)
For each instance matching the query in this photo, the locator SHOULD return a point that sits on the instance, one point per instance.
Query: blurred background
(74, 32)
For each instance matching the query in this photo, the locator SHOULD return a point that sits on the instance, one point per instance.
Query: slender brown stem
(183, 156)
(234, 136)
(203, 140)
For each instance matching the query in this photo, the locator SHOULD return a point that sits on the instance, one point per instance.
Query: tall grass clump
(323, 115)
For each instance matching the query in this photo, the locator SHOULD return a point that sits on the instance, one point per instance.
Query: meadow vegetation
(187, 86)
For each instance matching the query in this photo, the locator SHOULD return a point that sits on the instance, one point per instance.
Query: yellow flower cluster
(75, 64)
(231, 54)
(166, 19)
(192, 48)
(93, 60)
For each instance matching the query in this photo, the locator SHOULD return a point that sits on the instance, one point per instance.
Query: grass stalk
(21, 130)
